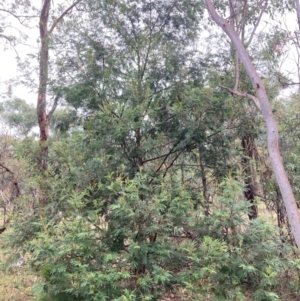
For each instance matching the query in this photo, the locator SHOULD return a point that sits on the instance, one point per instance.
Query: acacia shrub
(151, 241)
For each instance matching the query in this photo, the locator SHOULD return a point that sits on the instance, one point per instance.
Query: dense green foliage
(155, 170)
(145, 247)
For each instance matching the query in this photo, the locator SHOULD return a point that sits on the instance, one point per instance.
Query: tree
(245, 18)
(272, 130)
(21, 13)
(19, 116)
(146, 171)
(42, 116)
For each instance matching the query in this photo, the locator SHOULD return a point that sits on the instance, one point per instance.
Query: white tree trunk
(298, 12)
(272, 130)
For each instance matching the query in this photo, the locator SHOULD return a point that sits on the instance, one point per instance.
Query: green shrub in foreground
(151, 241)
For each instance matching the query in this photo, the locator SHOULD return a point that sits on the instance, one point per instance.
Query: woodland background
(142, 170)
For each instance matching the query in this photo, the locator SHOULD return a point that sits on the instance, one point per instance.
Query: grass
(15, 282)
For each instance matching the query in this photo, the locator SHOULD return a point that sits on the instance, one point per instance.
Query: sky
(9, 62)
(9, 71)
(9, 66)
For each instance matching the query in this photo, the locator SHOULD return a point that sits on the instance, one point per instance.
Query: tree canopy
(154, 176)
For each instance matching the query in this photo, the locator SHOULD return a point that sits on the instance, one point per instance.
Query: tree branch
(17, 16)
(257, 23)
(49, 115)
(14, 180)
(61, 17)
(238, 93)
(8, 38)
(171, 164)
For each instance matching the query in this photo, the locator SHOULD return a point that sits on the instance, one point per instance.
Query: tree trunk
(206, 195)
(42, 116)
(272, 130)
(43, 78)
(298, 12)
(252, 188)
(297, 43)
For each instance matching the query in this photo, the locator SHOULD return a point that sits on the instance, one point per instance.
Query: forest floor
(15, 281)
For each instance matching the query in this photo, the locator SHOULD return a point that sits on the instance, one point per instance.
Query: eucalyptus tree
(247, 18)
(263, 104)
(42, 116)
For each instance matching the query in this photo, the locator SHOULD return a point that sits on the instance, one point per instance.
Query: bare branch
(6, 168)
(242, 94)
(171, 164)
(18, 17)
(257, 23)
(53, 108)
(8, 38)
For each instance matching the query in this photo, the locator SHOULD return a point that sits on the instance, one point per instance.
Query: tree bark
(298, 12)
(206, 195)
(42, 116)
(251, 183)
(297, 40)
(272, 130)
(43, 78)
